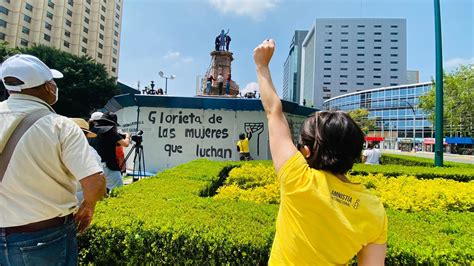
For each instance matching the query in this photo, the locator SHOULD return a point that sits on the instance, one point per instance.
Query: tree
(86, 85)
(458, 102)
(361, 117)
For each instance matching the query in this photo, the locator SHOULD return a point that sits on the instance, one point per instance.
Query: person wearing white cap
(42, 156)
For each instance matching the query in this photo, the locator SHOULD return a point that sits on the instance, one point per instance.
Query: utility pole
(439, 87)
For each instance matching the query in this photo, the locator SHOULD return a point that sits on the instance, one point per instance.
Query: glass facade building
(394, 110)
(292, 68)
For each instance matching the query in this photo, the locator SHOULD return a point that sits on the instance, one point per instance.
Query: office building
(341, 56)
(79, 27)
(413, 76)
(292, 68)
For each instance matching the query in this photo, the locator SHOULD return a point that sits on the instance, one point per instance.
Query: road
(430, 155)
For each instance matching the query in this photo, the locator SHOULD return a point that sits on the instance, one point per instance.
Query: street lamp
(414, 122)
(166, 78)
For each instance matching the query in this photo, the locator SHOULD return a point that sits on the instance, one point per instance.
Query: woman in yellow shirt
(324, 219)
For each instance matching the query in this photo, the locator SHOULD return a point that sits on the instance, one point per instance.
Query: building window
(393, 69)
(70, 2)
(50, 3)
(116, 34)
(86, 20)
(114, 60)
(329, 33)
(377, 47)
(393, 26)
(394, 48)
(2, 36)
(49, 15)
(24, 42)
(69, 13)
(360, 47)
(68, 23)
(377, 84)
(118, 7)
(344, 54)
(394, 55)
(325, 89)
(326, 83)
(377, 77)
(360, 76)
(328, 26)
(87, 10)
(343, 76)
(393, 33)
(88, 1)
(361, 33)
(47, 26)
(327, 47)
(393, 84)
(377, 26)
(84, 39)
(360, 26)
(360, 62)
(393, 77)
(360, 54)
(101, 36)
(344, 47)
(4, 10)
(99, 55)
(103, 8)
(342, 83)
(360, 69)
(327, 76)
(328, 40)
(117, 16)
(344, 26)
(327, 68)
(114, 51)
(67, 34)
(27, 18)
(101, 46)
(326, 61)
(378, 40)
(114, 69)
(25, 30)
(102, 27)
(393, 62)
(344, 33)
(28, 7)
(377, 69)
(66, 44)
(102, 17)
(117, 25)
(377, 55)
(342, 90)
(344, 68)
(3, 23)
(84, 50)
(85, 30)
(360, 40)
(46, 37)
(393, 40)
(344, 61)
(344, 40)
(377, 62)
(377, 33)
(327, 54)
(360, 84)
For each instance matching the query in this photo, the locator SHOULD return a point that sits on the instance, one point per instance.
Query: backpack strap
(19, 131)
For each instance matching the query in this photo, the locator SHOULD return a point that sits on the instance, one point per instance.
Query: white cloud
(456, 62)
(251, 8)
(177, 57)
(251, 87)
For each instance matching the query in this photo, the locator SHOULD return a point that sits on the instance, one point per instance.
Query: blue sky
(176, 36)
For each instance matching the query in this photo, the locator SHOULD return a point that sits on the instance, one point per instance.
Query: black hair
(241, 136)
(371, 145)
(334, 139)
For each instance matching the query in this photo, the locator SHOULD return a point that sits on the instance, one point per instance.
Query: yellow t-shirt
(243, 145)
(323, 220)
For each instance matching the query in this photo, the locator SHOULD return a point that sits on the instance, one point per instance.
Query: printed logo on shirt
(356, 204)
(343, 199)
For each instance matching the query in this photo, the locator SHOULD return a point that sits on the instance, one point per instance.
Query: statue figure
(222, 41)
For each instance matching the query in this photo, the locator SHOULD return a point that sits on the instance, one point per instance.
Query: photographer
(106, 147)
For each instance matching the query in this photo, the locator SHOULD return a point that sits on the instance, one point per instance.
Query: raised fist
(262, 54)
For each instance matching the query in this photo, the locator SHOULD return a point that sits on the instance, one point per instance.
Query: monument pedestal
(221, 64)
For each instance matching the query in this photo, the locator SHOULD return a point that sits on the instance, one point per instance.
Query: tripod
(140, 157)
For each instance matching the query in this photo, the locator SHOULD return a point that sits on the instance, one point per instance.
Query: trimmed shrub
(164, 220)
(407, 160)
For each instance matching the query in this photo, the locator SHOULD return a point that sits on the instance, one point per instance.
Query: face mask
(56, 93)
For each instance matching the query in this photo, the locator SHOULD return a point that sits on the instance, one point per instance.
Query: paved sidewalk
(430, 155)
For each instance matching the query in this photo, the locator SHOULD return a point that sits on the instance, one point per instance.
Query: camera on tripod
(138, 137)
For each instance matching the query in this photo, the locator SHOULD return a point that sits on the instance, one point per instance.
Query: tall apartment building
(292, 68)
(352, 54)
(79, 27)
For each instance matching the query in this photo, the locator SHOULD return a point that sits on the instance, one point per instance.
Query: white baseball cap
(28, 69)
(96, 116)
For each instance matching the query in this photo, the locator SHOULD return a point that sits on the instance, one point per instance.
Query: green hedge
(407, 160)
(454, 173)
(165, 220)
